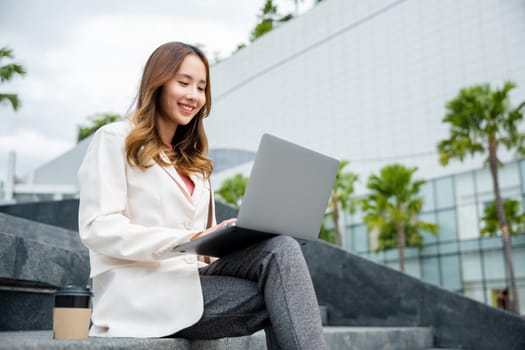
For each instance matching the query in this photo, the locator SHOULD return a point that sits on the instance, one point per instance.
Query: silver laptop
(287, 194)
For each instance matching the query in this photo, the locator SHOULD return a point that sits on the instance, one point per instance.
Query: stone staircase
(337, 338)
(365, 305)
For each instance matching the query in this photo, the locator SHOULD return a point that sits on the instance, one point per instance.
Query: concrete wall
(367, 80)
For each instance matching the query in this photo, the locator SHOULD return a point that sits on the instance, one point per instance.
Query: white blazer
(126, 216)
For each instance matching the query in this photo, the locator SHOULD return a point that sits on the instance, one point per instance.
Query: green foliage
(268, 18)
(326, 234)
(269, 14)
(7, 72)
(240, 47)
(515, 219)
(96, 122)
(393, 204)
(479, 115)
(232, 190)
(387, 238)
(341, 197)
(12, 99)
(285, 18)
(344, 186)
(261, 28)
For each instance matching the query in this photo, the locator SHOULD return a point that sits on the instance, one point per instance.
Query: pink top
(187, 180)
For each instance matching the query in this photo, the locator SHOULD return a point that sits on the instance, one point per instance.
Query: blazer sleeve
(103, 226)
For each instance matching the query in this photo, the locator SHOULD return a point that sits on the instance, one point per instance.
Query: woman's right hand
(214, 228)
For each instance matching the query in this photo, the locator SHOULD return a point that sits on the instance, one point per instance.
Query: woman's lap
(266, 285)
(232, 307)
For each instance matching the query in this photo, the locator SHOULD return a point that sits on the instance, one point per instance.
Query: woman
(143, 186)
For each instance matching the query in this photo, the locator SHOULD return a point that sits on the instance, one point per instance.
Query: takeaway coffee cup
(72, 313)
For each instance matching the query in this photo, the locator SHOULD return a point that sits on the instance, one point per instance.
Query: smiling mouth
(186, 108)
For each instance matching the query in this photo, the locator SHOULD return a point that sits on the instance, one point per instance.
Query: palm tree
(340, 200)
(482, 120)
(7, 72)
(392, 208)
(515, 219)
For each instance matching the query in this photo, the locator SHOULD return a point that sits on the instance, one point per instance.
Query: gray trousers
(266, 286)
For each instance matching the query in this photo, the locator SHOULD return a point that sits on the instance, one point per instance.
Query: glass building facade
(458, 258)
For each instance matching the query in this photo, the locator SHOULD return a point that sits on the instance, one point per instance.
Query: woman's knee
(284, 244)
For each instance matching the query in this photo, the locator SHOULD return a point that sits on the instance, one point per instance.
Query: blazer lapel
(172, 172)
(199, 190)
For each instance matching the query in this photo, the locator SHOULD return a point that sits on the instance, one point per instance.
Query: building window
(446, 219)
(428, 238)
(493, 265)
(444, 193)
(430, 270)
(484, 184)
(360, 236)
(465, 191)
(468, 223)
(427, 191)
(451, 272)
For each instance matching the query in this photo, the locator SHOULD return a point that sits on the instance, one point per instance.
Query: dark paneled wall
(62, 213)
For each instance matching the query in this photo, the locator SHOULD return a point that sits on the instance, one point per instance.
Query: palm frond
(8, 71)
(10, 98)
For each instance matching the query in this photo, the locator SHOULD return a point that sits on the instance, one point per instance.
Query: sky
(86, 57)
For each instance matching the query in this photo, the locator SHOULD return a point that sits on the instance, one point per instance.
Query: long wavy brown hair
(190, 143)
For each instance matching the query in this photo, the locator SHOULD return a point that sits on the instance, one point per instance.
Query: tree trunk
(401, 245)
(507, 248)
(335, 218)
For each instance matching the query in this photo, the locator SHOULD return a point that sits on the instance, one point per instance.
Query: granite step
(352, 338)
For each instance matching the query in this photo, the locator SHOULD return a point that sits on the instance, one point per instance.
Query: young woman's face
(184, 95)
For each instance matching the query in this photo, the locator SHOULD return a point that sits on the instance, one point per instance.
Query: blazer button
(187, 225)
